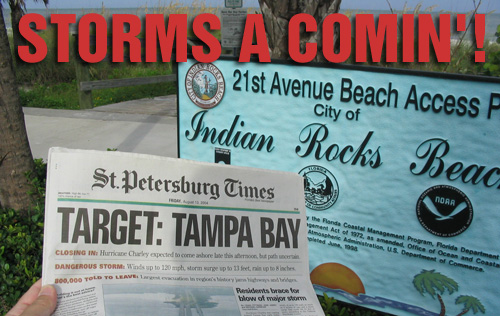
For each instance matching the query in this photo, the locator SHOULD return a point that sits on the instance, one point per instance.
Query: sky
(447, 5)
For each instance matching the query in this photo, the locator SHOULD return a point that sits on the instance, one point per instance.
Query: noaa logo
(444, 211)
(205, 85)
(320, 186)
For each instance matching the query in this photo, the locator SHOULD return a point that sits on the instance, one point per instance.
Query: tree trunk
(15, 153)
(277, 14)
(16, 13)
(465, 311)
(443, 308)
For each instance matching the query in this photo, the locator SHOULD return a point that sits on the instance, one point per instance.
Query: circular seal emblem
(205, 85)
(320, 186)
(444, 211)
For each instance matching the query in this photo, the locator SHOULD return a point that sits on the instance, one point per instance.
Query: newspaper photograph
(132, 234)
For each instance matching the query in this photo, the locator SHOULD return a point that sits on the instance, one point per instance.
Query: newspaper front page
(131, 234)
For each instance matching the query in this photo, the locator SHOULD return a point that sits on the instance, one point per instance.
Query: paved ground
(144, 126)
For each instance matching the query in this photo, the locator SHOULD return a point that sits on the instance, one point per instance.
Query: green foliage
(57, 96)
(48, 71)
(492, 67)
(65, 95)
(470, 302)
(327, 303)
(22, 241)
(332, 307)
(51, 84)
(429, 281)
(38, 178)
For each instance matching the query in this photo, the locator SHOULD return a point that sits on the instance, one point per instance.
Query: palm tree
(470, 302)
(15, 153)
(277, 14)
(17, 10)
(432, 282)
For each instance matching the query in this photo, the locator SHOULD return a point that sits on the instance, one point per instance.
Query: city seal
(205, 85)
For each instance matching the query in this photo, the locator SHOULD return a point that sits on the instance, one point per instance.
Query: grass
(49, 84)
(65, 95)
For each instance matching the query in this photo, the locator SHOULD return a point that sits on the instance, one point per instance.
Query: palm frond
(429, 281)
(471, 302)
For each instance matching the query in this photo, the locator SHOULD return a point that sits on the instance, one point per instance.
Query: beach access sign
(401, 172)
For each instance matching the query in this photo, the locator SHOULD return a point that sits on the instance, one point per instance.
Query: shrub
(22, 241)
(492, 67)
(332, 307)
(59, 96)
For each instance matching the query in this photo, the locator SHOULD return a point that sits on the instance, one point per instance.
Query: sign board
(401, 172)
(233, 25)
(233, 3)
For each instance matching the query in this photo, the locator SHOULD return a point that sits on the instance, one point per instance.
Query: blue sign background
(377, 134)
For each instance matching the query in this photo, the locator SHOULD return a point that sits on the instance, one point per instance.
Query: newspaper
(131, 234)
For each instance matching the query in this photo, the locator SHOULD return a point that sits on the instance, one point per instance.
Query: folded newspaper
(131, 234)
